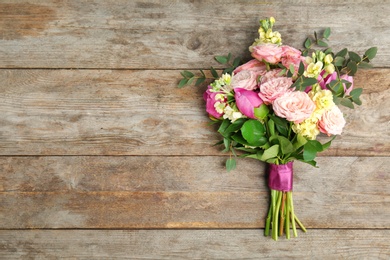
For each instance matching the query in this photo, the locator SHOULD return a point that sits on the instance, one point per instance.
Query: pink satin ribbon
(281, 176)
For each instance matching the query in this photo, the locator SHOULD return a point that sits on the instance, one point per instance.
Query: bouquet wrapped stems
(281, 216)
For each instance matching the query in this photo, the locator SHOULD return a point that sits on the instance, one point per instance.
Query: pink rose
(244, 79)
(246, 101)
(331, 122)
(291, 56)
(209, 97)
(269, 52)
(253, 65)
(272, 88)
(295, 106)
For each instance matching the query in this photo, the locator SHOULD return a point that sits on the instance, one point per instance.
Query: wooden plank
(174, 34)
(185, 192)
(123, 112)
(192, 244)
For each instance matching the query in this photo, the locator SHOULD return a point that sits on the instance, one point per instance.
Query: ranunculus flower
(210, 98)
(244, 79)
(274, 87)
(291, 56)
(270, 53)
(254, 65)
(247, 101)
(332, 122)
(295, 106)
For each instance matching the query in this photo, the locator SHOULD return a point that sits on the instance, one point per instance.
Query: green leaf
(270, 153)
(285, 145)
(224, 125)
(327, 144)
(299, 142)
(226, 143)
(346, 102)
(322, 43)
(187, 74)
(235, 126)
(339, 61)
(308, 82)
(199, 81)
(261, 112)
(292, 69)
(355, 93)
(364, 65)
(307, 43)
(190, 80)
(354, 56)
(301, 69)
(253, 131)
(237, 137)
(342, 53)
(352, 66)
(221, 59)
(230, 164)
(214, 73)
(326, 33)
(357, 101)
(371, 53)
(309, 152)
(236, 62)
(183, 82)
(271, 127)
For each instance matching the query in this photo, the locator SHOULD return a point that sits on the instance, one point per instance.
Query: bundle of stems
(281, 215)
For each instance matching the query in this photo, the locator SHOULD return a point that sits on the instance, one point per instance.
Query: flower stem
(289, 194)
(276, 213)
(282, 214)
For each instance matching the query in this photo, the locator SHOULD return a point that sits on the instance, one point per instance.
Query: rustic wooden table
(102, 157)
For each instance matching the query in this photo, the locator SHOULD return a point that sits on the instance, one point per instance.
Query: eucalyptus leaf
(307, 43)
(230, 164)
(221, 59)
(322, 43)
(346, 102)
(187, 74)
(342, 53)
(354, 56)
(326, 33)
(183, 82)
(199, 81)
(371, 52)
(214, 73)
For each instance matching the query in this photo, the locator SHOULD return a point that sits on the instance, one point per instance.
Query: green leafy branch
(189, 77)
(319, 40)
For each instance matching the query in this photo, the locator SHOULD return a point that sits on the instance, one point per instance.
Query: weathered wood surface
(192, 244)
(174, 34)
(94, 134)
(185, 192)
(106, 112)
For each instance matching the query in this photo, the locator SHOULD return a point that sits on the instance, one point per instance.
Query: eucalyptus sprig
(189, 77)
(320, 39)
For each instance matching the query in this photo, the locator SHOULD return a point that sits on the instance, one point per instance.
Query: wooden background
(103, 157)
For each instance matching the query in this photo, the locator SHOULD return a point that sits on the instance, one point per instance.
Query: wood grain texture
(125, 112)
(185, 192)
(192, 244)
(174, 34)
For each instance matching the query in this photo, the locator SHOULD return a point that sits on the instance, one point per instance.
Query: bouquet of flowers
(273, 107)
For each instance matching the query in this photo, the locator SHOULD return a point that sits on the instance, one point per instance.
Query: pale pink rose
(275, 87)
(291, 56)
(245, 79)
(253, 65)
(247, 101)
(271, 75)
(331, 122)
(269, 52)
(295, 106)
